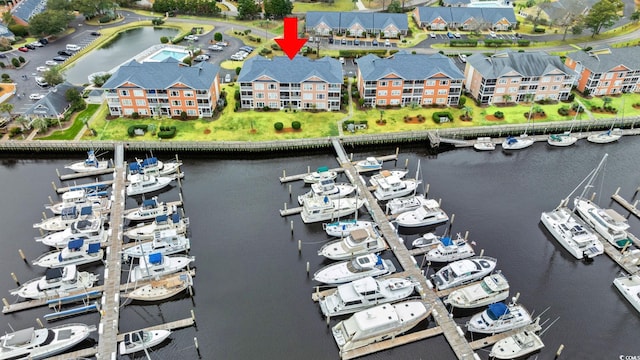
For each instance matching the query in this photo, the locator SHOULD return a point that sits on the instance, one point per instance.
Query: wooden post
(406, 163)
(559, 351)
(44, 215)
(58, 172)
(50, 200)
(193, 316)
(5, 302)
(285, 206)
(307, 268)
(299, 246)
(291, 227)
(466, 235)
(195, 341)
(24, 258)
(15, 278)
(453, 217)
(55, 188)
(39, 322)
(284, 173)
(308, 169)
(289, 191)
(593, 196)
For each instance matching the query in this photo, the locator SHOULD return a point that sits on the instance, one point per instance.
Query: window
(382, 83)
(259, 95)
(191, 112)
(609, 76)
(429, 92)
(546, 79)
(175, 93)
(307, 87)
(320, 96)
(176, 103)
(128, 111)
(382, 102)
(558, 78)
(321, 87)
(431, 83)
(141, 102)
(382, 93)
(142, 112)
(442, 92)
(428, 101)
(396, 83)
(307, 96)
(272, 96)
(126, 102)
(189, 102)
(138, 93)
(187, 93)
(272, 87)
(177, 111)
(124, 92)
(258, 86)
(394, 102)
(441, 100)
(395, 92)
(444, 82)
(273, 105)
(259, 104)
(502, 81)
(543, 88)
(513, 90)
(554, 87)
(500, 90)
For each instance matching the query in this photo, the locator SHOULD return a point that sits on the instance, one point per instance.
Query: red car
(23, 49)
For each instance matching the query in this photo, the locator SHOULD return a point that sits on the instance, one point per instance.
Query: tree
(7, 108)
(468, 111)
(247, 9)
(59, 5)
(50, 22)
(507, 98)
(23, 121)
(277, 8)
(394, 7)
(570, 20)
(40, 123)
(217, 36)
(53, 77)
(635, 16)
(603, 14)
(8, 19)
(91, 8)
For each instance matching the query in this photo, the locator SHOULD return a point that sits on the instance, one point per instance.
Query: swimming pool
(167, 53)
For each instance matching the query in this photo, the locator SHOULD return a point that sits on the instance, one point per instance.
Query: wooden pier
(178, 324)
(99, 184)
(284, 178)
(625, 204)
(490, 340)
(79, 175)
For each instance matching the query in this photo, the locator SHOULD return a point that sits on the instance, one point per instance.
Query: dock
(490, 340)
(284, 178)
(79, 175)
(96, 185)
(178, 324)
(625, 204)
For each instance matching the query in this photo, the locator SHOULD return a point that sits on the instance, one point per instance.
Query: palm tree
(507, 98)
(7, 108)
(40, 123)
(23, 121)
(468, 112)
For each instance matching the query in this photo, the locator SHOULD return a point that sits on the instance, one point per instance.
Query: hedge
(356, 53)
(464, 42)
(496, 42)
(438, 114)
(167, 132)
(524, 42)
(132, 129)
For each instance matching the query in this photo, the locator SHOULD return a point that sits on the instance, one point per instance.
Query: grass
(337, 5)
(78, 124)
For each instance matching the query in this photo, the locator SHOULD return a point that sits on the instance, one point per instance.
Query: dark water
(252, 295)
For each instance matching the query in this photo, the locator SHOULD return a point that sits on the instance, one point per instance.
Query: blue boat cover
(511, 140)
(134, 167)
(446, 241)
(175, 217)
(155, 258)
(379, 261)
(161, 218)
(323, 169)
(149, 204)
(93, 248)
(326, 199)
(75, 244)
(86, 210)
(69, 212)
(495, 311)
(149, 161)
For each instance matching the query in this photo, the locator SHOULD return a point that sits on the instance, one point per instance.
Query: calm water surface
(252, 295)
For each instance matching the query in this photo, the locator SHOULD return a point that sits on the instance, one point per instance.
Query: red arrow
(291, 44)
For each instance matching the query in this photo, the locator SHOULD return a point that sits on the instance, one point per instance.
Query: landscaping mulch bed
(493, 118)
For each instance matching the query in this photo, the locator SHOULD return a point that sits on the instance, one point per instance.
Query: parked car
(95, 33)
(343, 41)
(60, 58)
(64, 53)
(42, 69)
(387, 42)
(43, 41)
(222, 43)
(30, 47)
(227, 78)
(50, 63)
(457, 35)
(341, 59)
(36, 44)
(3, 56)
(331, 40)
(215, 48)
(493, 34)
(517, 35)
(201, 57)
(450, 35)
(433, 35)
(247, 49)
(23, 49)
(40, 81)
(191, 38)
(236, 57)
(374, 42)
(356, 42)
(73, 47)
(36, 96)
(462, 58)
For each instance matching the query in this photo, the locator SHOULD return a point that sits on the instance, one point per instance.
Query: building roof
(315, 18)
(407, 66)
(5, 32)
(343, 20)
(532, 63)
(456, 2)
(603, 61)
(27, 8)
(462, 14)
(54, 103)
(283, 70)
(558, 9)
(163, 75)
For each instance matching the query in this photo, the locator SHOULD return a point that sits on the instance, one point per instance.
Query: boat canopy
(161, 219)
(511, 140)
(69, 212)
(323, 169)
(51, 274)
(86, 210)
(75, 244)
(497, 310)
(134, 167)
(149, 161)
(175, 217)
(149, 204)
(93, 248)
(446, 241)
(155, 258)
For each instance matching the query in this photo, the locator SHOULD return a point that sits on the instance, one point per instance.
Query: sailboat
(609, 136)
(521, 142)
(565, 139)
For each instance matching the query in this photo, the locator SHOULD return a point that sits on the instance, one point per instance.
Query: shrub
(265, 51)
(132, 129)
(564, 111)
(105, 19)
(157, 21)
(21, 59)
(183, 115)
(499, 114)
(15, 62)
(5, 76)
(135, 115)
(438, 115)
(247, 32)
(164, 40)
(2, 65)
(539, 30)
(461, 102)
(296, 125)
(571, 97)
(217, 36)
(278, 126)
(167, 132)
(275, 46)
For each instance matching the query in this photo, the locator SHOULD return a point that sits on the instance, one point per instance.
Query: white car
(493, 34)
(236, 57)
(191, 37)
(433, 35)
(37, 44)
(201, 57)
(215, 48)
(463, 58)
(42, 69)
(51, 63)
(36, 96)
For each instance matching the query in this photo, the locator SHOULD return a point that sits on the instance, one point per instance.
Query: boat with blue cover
(161, 223)
(152, 166)
(90, 230)
(165, 242)
(67, 217)
(150, 209)
(450, 250)
(498, 318)
(89, 164)
(56, 282)
(156, 264)
(97, 200)
(354, 269)
(517, 143)
(77, 252)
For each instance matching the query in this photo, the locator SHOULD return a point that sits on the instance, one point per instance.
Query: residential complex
(607, 71)
(514, 76)
(301, 83)
(465, 18)
(163, 88)
(357, 24)
(406, 79)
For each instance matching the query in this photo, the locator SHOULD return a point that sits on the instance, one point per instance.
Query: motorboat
(382, 322)
(329, 188)
(493, 288)
(141, 340)
(322, 208)
(42, 343)
(368, 164)
(322, 173)
(90, 230)
(358, 242)
(484, 144)
(426, 215)
(144, 231)
(606, 137)
(77, 252)
(464, 271)
(450, 250)
(143, 183)
(607, 222)
(157, 264)
(499, 317)
(67, 217)
(161, 289)
(150, 209)
(165, 242)
(363, 293)
(400, 174)
(564, 139)
(342, 228)
(392, 187)
(517, 345)
(404, 204)
(426, 240)
(80, 198)
(91, 163)
(629, 287)
(56, 282)
(357, 268)
(571, 233)
(153, 166)
(517, 143)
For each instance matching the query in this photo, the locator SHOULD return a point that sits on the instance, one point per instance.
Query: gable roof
(407, 66)
(283, 70)
(315, 18)
(368, 20)
(532, 63)
(427, 14)
(558, 9)
(27, 8)
(163, 74)
(603, 62)
(53, 103)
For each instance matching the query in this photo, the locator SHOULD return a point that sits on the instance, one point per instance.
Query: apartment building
(606, 71)
(406, 79)
(301, 83)
(464, 18)
(164, 88)
(358, 24)
(510, 76)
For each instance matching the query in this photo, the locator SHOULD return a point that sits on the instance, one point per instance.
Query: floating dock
(625, 204)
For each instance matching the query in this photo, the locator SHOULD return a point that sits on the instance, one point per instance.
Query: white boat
(363, 293)
(564, 139)
(491, 289)
(42, 343)
(322, 173)
(368, 164)
(165, 242)
(450, 250)
(56, 282)
(358, 242)
(89, 164)
(161, 289)
(142, 184)
(499, 317)
(517, 143)
(77, 252)
(67, 217)
(404, 204)
(343, 228)
(606, 222)
(322, 208)
(82, 198)
(484, 144)
(428, 239)
(629, 287)
(572, 234)
(400, 174)
(392, 187)
(361, 266)
(328, 187)
(606, 137)
(141, 340)
(144, 231)
(464, 271)
(517, 345)
(153, 166)
(426, 215)
(156, 264)
(150, 209)
(89, 230)
(378, 323)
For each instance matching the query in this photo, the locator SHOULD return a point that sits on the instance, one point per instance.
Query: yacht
(161, 223)
(77, 252)
(42, 343)
(464, 271)
(91, 163)
(561, 140)
(56, 282)
(153, 166)
(629, 287)
(450, 250)
(142, 184)
(572, 234)
(400, 174)
(517, 143)
(358, 242)
(404, 204)
(322, 173)
(342, 228)
(426, 240)
(392, 187)
(606, 137)
(363, 293)
(368, 164)
(491, 289)
(428, 214)
(357, 268)
(499, 317)
(141, 340)
(322, 208)
(98, 202)
(67, 217)
(150, 209)
(90, 230)
(329, 188)
(517, 345)
(484, 144)
(165, 242)
(157, 264)
(161, 289)
(606, 222)
(378, 323)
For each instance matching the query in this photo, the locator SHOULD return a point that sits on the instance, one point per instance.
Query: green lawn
(78, 124)
(337, 5)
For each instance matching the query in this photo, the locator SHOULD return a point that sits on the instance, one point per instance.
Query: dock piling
(560, 348)
(58, 172)
(299, 246)
(284, 173)
(193, 316)
(285, 206)
(307, 268)
(50, 200)
(308, 169)
(593, 196)
(453, 217)
(328, 320)
(15, 278)
(289, 191)
(44, 215)
(24, 258)
(426, 190)
(195, 341)
(406, 163)
(39, 322)
(55, 188)
(618, 189)
(5, 302)
(291, 227)
(466, 235)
